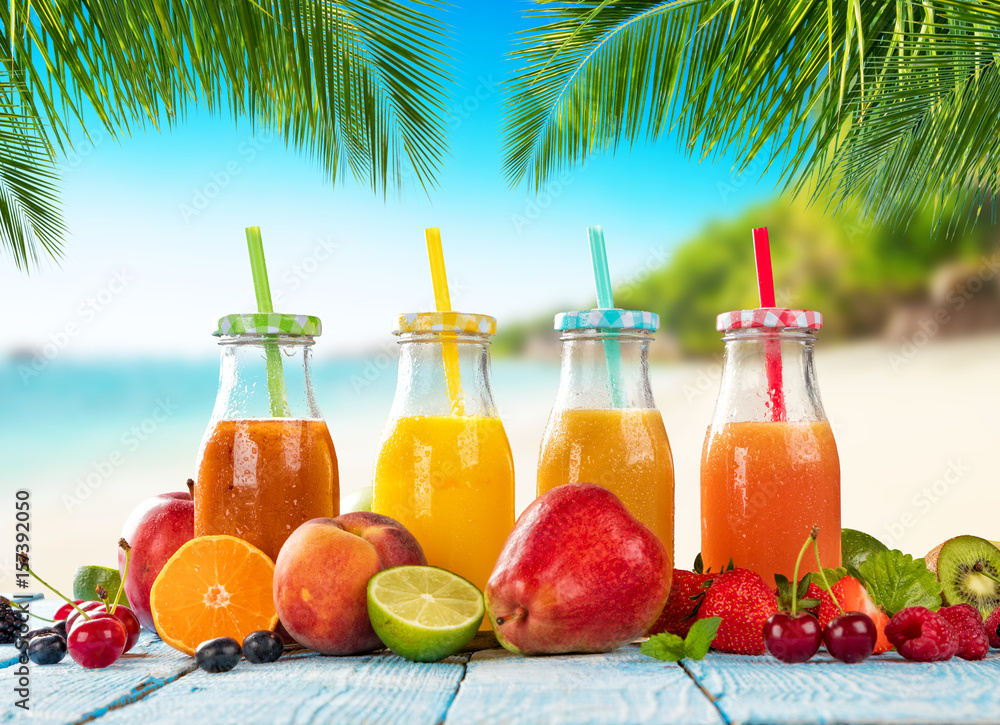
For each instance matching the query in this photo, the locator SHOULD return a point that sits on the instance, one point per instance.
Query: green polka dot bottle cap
(608, 319)
(259, 323)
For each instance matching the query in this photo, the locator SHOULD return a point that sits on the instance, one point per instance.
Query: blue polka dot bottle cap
(608, 319)
(259, 323)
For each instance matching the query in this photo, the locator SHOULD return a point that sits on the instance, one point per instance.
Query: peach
(321, 578)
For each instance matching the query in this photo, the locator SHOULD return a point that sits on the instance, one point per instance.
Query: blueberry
(262, 646)
(46, 649)
(24, 639)
(218, 655)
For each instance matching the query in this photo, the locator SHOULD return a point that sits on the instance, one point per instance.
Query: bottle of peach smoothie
(267, 462)
(769, 468)
(444, 467)
(604, 427)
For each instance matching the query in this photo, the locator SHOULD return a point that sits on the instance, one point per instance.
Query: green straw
(275, 376)
(605, 301)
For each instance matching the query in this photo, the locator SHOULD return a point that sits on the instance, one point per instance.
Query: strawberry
(853, 597)
(744, 602)
(685, 595)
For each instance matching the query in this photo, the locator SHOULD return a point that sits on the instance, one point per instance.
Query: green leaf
(890, 103)
(671, 648)
(832, 577)
(700, 637)
(895, 581)
(665, 646)
(360, 86)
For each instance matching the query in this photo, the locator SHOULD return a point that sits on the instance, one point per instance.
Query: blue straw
(605, 301)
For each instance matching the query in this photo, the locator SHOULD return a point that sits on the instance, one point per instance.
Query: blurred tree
(357, 84)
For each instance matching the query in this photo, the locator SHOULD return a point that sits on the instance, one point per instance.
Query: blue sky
(157, 250)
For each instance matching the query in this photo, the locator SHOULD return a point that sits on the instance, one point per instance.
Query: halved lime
(424, 613)
(855, 546)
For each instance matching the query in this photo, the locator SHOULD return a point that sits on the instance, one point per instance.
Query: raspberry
(921, 635)
(993, 627)
(973, 644)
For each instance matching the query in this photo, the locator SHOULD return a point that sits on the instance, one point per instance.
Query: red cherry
(89, 608)
(792, 638)
(65, 610)
(851, 637)
(98, 642)
(131, 623)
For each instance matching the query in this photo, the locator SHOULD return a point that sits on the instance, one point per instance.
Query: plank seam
(447, 709)
(142, 690)
(709, 695)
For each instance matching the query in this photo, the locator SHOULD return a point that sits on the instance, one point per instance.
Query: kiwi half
(969, 569)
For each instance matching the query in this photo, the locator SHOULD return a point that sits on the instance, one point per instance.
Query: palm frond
(29, 218)
(358, 84)
(865, 95)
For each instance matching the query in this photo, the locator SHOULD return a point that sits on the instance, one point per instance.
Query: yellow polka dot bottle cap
(411, 322)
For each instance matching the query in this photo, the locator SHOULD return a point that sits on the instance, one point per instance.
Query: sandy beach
(916, 430)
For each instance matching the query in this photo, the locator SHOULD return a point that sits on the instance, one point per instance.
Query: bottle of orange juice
(604, 427)
(267, 462)
(444, 467)
(769, 468)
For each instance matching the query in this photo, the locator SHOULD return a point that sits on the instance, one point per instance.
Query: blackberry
(11, 620)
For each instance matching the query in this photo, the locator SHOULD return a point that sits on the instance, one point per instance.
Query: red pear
(578, 573)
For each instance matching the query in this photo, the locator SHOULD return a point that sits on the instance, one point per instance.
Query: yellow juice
(624, 450)
(449, 479)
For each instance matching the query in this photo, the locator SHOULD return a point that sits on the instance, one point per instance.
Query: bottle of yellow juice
(444, 467)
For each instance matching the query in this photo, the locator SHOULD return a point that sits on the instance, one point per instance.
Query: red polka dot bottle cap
(769, 317)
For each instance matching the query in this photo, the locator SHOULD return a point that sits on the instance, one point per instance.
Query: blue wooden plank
(68, 693)
(884, 689)
(622, 686)
(305, 688)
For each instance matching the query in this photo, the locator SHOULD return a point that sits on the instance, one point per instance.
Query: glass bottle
(604, 427)
(769, 469)
(267, 462)
(444, 467)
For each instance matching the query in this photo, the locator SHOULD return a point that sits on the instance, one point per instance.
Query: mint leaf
(666, 646)
(895, 581)
(700, 637)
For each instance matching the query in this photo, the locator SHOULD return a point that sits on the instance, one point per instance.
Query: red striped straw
(772, 347)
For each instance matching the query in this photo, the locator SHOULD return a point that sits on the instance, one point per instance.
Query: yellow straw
(442, 300)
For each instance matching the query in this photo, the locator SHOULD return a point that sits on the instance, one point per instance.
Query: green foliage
(671, 648)
(358, 85)
(890, 103)
(895, 581)
(831, 262)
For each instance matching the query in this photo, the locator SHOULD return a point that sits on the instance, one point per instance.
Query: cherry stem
(519, 613)
(5, 600)
(52, 589)
(980, 569)
(826, 582)
(122, 544)
(795, 574)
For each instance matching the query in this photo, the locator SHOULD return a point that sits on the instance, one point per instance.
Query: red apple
(155, 529)
(578, 573)
(321, 578)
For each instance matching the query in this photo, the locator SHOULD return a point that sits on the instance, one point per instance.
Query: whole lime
(855, 546)
(88, 578)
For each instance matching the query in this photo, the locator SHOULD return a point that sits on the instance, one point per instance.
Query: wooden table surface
(155, 684)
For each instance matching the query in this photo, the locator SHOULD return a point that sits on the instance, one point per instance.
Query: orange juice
(259, 478)
(763, 486)
(624, 450)
(449, 479)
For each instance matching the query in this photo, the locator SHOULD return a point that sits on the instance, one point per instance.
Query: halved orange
(213, 586)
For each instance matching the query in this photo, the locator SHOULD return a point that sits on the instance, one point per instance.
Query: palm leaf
(29, 218)
(358, 84)
(889, 101)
